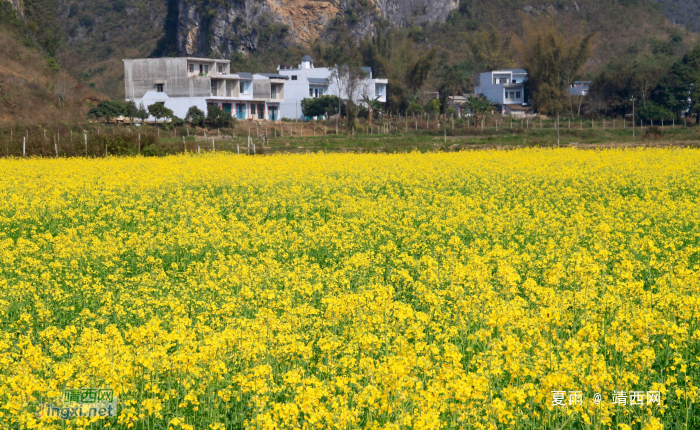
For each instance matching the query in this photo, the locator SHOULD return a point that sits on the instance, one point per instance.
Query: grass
(290, 137)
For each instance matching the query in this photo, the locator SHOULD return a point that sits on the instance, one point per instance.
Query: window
(316, 92)
(515, 81)
(229, 88)
(252, 109)
(311, 92)
(273, 91)
(221, 69)
(512, 95)
(320, 92)
(294, 77)
(213, 88)
(191, 68)
(506, 94)
(241, 87)
(206, 69)
(159, 88)
(517, 95)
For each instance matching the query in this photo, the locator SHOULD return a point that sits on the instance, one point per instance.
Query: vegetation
(195, 116)
(217, 117)
(323, 106)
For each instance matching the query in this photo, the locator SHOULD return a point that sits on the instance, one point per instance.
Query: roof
(245, 75)
(519, 71)
(307, 58)
(273, 75)
(208, 59)
(318, 81)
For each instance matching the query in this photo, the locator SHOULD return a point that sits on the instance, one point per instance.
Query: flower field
(416, 291)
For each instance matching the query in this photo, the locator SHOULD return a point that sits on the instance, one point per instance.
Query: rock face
(224, 27)
(18, 5)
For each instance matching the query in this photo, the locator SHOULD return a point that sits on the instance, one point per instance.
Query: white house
(180, 83)
(503, 88)
(307, 81)
(580, 88)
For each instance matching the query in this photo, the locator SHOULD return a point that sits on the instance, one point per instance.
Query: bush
(653, 133)
(177, 122)
(217, 117)
(195, 116)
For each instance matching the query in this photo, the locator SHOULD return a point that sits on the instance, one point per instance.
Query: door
(273, 113)
(240, 111)
(228, 108)
(261, 111)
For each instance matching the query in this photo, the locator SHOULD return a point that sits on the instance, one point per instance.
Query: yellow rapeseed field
(530, 289)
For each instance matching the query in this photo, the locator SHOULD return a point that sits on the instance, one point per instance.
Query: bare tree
(64, 90)
(351, 84)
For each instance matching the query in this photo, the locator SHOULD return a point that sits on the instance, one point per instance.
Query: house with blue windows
(505, 89)
(180, 83)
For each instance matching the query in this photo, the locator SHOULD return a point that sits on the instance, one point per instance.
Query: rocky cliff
(231, 26)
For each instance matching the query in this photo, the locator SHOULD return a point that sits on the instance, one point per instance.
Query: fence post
(55, 146)
(24, 146)
(213, 145)
(184, 144)
(85, 135)
(139, 143)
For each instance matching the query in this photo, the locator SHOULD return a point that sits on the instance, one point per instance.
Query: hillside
(89, 38)
(32, 87)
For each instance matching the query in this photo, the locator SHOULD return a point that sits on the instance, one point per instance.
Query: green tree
(480, 107)
(142, 113)
(218, 117)
(373, 105)
(681, 83)
(107, 109)
(552, 61)
(433, 107)
(132, 110)
(320, 106)
(158, 110)
(490, 49)
(195, 116)
(655, 112)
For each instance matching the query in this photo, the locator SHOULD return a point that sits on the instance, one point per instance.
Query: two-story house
(180, 83)
(308, 81)
(505, 89)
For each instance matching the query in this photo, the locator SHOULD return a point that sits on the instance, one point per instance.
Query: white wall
(296, 91)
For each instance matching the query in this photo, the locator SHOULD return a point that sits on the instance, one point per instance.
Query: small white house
(580, 88)
(502, 87)
(307, 81)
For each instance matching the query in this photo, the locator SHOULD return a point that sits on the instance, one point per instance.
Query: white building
(180, 83)
(503, 88)
(580, 88)
(307, 81)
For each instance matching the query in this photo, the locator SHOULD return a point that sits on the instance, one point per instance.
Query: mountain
(685, 13)
(90, 37)
(33, 89)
